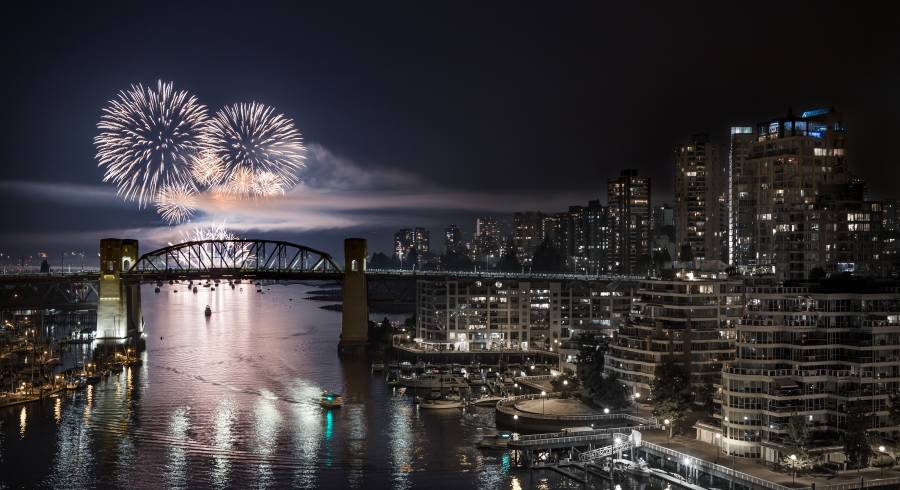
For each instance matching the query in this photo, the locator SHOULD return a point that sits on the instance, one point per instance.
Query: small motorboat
(487, 401)
(440, 403)
(331, 400)
(207, 311)
(156, 289)
(499, 440)
(195, 289)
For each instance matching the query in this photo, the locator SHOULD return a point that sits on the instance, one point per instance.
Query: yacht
(440, 403)
(434, 382)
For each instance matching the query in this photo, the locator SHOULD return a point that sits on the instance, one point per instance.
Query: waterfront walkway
(707, 453)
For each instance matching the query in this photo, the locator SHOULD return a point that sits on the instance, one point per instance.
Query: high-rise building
(890, 235)
(742, 139)
(488, 239)
(411, 239)
(452, 239)
(690, 319)
(597, 235)
(663, 216)
(839, 232)
(700, 194)
(472, 314)
(782, 170)
(528, 234)
(818, 351)
(628, 197)
(572, 238)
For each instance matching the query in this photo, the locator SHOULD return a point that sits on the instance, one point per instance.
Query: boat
(499, 440)
(635, 468)
(156, 289)
(331, 400)
(212, 288)
(434, 381)
(92, 378)
(440, 403)
(116, 368)
(487, 400)
(75, 383)
(195, 289)
(207, 311)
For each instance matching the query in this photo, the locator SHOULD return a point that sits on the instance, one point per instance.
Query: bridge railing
(506, 275)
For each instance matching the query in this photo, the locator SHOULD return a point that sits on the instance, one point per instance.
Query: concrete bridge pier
(355, 309)
(119, 305)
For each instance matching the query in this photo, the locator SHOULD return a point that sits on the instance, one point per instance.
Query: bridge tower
(355, 310)
(119, 305)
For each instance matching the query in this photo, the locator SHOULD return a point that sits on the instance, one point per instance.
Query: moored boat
(440, 403)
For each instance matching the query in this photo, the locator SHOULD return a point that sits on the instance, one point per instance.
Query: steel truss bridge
(234, 258)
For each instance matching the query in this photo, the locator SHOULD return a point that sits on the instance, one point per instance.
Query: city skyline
(362, 180)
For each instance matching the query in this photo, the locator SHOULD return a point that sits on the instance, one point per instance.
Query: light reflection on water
(232, 401)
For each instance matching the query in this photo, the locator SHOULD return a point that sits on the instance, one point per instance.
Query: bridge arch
(235, 257)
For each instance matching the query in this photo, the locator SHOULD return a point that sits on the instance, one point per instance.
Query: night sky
(420, 115)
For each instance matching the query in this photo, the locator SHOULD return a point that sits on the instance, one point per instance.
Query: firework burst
(267, 184)
(241, 182)
(176, 202)
(217, 231)
(207, 169)
(148, 139)
(250, 139)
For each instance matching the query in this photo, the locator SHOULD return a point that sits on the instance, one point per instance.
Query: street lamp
(606, 411)
(793, 459)
(881, 450)
(666, 422)
(516, 423)
(543, 394)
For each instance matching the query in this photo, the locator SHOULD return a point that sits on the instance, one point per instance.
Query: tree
(509, 262)
(796, 443)
(608, 392)
(661, 258)
(380, 261)
(564, 384)
(455, 261)
(412, 260)
(686, 254)
(671, 393)
(856, 444)
(816, 274)
(546, 258)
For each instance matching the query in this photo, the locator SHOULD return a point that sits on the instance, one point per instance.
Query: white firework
(267, 184)
(252, 137)
(148, 139)
(207, 169)
(176, 202)
(240, 182)
(200, 233)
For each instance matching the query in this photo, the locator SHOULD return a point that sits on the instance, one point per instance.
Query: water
(232, 402)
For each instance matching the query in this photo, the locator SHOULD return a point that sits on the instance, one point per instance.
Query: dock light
(532, 367)
(516, 417)
(666, 421)
(543, 393)
(565, 382)
(606, 411)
